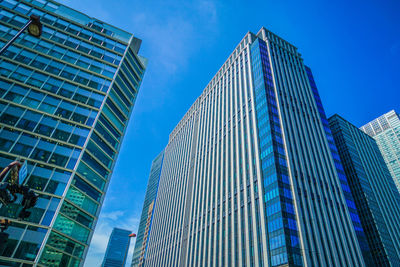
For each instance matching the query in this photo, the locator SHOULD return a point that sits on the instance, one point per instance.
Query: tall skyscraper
(65, 101)
(117, 248)
(248, 177)
(139, 253)
(386, 132)
(376, 197)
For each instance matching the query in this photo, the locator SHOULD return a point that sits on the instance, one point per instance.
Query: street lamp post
(34, 27)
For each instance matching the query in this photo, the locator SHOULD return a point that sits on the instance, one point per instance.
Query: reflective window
(90, 175)
(65, 244)
(74, 213)
(86, 188)
(53, 257)
(71, 228)
(100, 155)
(81, 200)
(30, 244)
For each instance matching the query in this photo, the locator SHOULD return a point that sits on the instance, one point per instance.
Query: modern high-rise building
(376, 197)
(65, 102)
(139, 253)
(248, 177)
(386, 132)
(117, 248)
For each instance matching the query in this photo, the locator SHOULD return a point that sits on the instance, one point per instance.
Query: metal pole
(15, 37)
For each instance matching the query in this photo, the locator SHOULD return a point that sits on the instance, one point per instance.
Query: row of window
(90, 22)
(47, 179)
(69, 227)
(54, 257)
(135, 63)
(31, 238)
(83, 47)
(113, 141)
(42, 124)
(96, 164)
(41, 149)
(54, 86)
(42, 177)
(57, 51)
(65, 244)
(58, 38)
(47, 104)
(42, 213)
(56, 68)
(64, 25)
(83, 195)
(97, 178)
(126, 88)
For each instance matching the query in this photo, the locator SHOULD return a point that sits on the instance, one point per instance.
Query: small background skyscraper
(65, 101)
(386, 132)
(117, 248)
(139, 253)
(375, 193)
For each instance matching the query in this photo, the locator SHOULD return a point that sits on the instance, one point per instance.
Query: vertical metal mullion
(243, 165)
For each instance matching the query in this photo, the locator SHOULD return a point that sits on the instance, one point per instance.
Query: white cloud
(209, 11)
(174, 31)
(168, 41)
(114, 215)
(107, 221)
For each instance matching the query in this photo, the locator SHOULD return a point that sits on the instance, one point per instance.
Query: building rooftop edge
(349, 123)
(210, 83)
(390, 111)
(122, 229)
(95, 19)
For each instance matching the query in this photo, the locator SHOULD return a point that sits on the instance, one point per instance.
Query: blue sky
(353, 48)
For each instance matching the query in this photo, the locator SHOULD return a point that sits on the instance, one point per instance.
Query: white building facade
(248, 177)
(386, 132)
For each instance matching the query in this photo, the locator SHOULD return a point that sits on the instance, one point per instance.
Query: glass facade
(249, 176)
(376, 197)
(65, 101)
(386, 132)
(117, 248)
(283, 237)
(139, 254)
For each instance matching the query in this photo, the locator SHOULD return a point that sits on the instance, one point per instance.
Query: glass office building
(248, 177)
(65, 102)
(139, 254)
(117, 248)
(386, 132)
(376, 197)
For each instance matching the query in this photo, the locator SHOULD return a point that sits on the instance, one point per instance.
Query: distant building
(65, 102)
(386, 132)
(139, 253)
(376, 197)
(117, 248)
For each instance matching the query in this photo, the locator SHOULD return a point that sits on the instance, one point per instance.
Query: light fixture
(35, 27)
